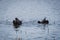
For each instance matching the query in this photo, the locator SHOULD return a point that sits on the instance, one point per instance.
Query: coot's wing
(20, 22)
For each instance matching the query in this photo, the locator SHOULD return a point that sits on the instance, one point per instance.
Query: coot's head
(39, 22)
(16, 18)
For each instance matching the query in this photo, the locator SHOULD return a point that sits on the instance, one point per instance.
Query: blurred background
(30, 11)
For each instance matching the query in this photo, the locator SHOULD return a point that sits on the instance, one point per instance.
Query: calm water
(30, 11)
(31, 32)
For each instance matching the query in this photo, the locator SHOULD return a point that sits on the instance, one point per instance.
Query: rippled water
(31, 32)
(30, 11)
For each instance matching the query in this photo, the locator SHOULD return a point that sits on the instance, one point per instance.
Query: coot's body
(43, 22)
(17, 23)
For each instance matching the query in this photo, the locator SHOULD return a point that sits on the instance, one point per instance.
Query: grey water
(30, 11)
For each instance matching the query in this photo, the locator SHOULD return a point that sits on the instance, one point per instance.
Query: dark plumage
(44, 21)
(17, 23)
